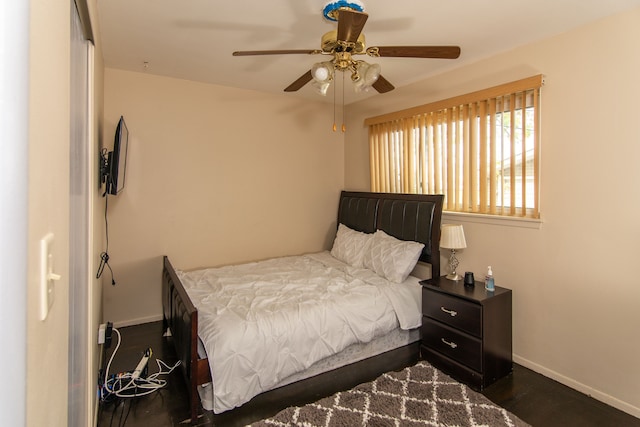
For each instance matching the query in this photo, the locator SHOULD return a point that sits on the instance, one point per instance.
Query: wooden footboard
(181, 317)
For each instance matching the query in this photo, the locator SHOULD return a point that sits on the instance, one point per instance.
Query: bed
(410, 218)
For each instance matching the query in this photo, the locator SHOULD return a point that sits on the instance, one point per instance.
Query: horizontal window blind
(480, 150)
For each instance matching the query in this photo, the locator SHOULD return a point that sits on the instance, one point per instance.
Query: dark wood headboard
(414, 217)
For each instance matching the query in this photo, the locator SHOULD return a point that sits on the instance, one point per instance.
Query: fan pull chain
(335, 127)
(344, 127)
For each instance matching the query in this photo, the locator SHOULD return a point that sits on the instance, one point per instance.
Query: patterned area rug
(416, 396)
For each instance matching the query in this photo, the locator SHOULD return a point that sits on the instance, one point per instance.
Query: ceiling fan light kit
(345, 42)
(368, 75)
(322, 74)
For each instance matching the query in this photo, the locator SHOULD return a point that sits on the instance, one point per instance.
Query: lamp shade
(368, 74)
(321, 88)
(452, 237)
(322, 72)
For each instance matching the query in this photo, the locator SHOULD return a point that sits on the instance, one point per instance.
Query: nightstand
(466, 330)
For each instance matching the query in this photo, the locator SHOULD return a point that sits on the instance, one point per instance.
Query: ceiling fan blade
(276, 52)
(302, 80)
(382, 85)
(350, 25)
(444, 52)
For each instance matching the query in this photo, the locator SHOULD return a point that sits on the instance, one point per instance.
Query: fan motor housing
(330, 42)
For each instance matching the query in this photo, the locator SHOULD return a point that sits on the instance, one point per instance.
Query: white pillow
(350, 246)
(392, 258)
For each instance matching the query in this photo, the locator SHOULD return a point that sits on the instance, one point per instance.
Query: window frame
(449, 147)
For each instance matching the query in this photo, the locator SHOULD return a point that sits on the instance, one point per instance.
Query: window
(480, 150)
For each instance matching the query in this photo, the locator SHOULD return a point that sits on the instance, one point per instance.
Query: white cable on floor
(125, 385)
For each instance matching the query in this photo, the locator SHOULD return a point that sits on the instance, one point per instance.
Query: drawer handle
(450, 344)
(453, 313)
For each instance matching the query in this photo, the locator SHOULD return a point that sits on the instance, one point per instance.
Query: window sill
(505, 221)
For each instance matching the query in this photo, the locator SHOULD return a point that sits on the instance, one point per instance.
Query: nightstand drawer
(455, 312)
(458, 346)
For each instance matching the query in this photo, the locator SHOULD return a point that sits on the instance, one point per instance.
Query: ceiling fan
(343, 44)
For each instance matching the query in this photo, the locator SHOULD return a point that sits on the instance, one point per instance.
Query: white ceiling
(194, 39)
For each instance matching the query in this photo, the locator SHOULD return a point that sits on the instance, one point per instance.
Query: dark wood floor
(534, 398)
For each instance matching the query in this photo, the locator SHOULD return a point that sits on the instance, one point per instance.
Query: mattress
(263, 323)
(352, 354)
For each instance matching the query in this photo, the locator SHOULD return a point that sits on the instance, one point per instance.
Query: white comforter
(261, 322)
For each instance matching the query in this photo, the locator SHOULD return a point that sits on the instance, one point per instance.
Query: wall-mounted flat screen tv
(116, 162)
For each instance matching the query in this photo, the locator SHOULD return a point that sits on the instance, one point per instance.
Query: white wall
(48, 211)
(215, 176)
(576, 311)
(47, 341)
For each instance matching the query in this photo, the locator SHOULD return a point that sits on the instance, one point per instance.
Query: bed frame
(404, 216)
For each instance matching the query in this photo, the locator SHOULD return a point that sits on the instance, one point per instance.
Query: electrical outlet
(104, 333)
(101, 333)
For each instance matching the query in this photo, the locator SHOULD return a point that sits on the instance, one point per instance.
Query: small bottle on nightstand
(489, 282)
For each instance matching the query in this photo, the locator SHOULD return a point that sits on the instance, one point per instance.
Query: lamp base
(453, 276)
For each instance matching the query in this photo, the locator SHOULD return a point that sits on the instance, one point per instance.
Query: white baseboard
(596, 394)
(138, 321)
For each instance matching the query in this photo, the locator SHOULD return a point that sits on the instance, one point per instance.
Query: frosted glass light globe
(321, 74)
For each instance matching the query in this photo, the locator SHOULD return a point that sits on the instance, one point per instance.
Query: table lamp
(452, 237)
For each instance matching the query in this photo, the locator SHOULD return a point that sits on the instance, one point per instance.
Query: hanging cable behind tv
(104, 256)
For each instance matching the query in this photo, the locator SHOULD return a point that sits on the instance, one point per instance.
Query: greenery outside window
(480, 150)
